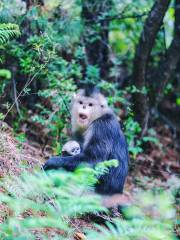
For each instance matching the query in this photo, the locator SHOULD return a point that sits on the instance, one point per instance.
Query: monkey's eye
(90, 104)
(80, 102)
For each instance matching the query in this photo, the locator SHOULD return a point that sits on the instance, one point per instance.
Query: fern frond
(8, 31)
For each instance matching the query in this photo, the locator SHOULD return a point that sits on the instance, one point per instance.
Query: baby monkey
(71, 148)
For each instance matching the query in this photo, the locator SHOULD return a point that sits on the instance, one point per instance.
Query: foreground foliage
(8, 31)
(37, 204)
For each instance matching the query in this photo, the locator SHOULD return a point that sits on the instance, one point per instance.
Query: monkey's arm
(69, 163)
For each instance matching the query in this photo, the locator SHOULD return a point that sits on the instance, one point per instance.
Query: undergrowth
(38, 203)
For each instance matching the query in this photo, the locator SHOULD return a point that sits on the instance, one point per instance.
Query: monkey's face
(85, 110)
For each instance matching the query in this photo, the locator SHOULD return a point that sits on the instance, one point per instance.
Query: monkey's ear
(79, 93)
(74, 96)
(102, 100)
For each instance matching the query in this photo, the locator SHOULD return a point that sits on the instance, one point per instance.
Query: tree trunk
(143, 50)
(96, 33)
(30, 3)
(168, 64)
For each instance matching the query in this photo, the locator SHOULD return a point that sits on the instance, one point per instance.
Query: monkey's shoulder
(108, 120)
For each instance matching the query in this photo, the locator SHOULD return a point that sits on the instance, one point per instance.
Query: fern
(151, 217)
(52, 199)
(8, 31)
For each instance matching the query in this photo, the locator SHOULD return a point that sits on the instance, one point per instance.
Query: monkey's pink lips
(83, 119)
(82, 116)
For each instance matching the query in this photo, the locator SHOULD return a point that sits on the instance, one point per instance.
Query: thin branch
(25, 86)
(116, 17)
(15, 93)
(122, 17)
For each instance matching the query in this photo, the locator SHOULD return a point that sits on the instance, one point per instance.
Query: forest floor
(155, 168)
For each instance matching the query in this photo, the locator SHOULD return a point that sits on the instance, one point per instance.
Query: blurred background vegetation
(130, 50)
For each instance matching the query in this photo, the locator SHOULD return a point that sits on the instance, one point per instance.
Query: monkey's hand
(52, 163)
(68, 163)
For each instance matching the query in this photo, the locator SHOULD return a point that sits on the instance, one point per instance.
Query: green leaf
(5, 73)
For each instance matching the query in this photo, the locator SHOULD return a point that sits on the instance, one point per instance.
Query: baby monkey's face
(75, 150)
(71, 148)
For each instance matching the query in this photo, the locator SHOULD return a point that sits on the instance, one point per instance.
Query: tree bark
(96, 33)
(168, 64)
(143, 50)
(30, 3)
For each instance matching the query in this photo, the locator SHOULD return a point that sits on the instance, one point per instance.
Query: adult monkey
(96, 128)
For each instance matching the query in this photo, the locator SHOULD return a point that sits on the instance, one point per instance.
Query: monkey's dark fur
(106, 142)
